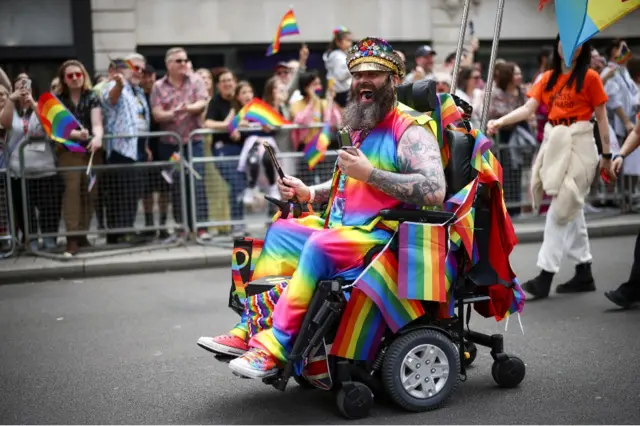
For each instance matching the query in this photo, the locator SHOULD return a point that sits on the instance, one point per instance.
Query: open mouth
(366, 95)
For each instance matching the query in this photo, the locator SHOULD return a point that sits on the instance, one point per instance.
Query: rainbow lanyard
(336, 179)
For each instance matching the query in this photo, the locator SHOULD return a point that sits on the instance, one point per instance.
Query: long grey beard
(359, 116)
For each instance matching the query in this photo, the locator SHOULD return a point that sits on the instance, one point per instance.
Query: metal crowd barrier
(209, 192)
(7, 239)
(517, 163)
(108, 205)
(225, 188)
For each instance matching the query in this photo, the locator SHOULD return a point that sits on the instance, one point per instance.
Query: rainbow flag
(422, 266)
(316, 148)
(361, 329)
(580, 20)
(379, 282)
(57, 121)
(623, 57)
(288, 26)
(258, 111)
(122, 63)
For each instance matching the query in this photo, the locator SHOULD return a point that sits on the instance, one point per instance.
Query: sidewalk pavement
(29, 268)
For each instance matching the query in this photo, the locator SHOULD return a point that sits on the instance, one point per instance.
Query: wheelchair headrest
(459, 172)
(421, 95)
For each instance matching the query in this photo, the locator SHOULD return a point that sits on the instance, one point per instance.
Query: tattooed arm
(322, 192)
(421, 179)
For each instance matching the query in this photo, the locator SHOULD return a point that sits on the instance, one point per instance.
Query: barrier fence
(140, 206)
(7, 240)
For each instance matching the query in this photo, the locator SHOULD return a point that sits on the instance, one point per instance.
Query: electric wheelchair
(421, 365)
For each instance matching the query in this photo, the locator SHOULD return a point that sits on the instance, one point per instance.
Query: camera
(420, 96)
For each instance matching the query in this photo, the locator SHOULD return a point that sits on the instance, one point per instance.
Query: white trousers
(571, 239)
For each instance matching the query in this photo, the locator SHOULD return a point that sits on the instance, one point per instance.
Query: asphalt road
(123, 350)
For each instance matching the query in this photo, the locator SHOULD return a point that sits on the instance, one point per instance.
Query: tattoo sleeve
(322, 192)
(421, 179)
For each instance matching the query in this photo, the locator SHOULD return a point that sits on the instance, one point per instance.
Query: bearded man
(395, 162)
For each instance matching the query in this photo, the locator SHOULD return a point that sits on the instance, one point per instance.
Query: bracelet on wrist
(606, 156)
(618, 156)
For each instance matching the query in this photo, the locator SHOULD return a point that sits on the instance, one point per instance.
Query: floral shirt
(129, 116)
(168, 96)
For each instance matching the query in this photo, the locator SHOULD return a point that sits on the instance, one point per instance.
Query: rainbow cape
(258, 111)
(57, 121)
(288, 26)
(316, 147)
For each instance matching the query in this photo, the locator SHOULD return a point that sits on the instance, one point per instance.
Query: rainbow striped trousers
(303, 249)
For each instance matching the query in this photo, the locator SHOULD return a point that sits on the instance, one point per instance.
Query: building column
(114, 30)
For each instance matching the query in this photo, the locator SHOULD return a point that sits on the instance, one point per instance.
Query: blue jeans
(235, 179)
(164, 153)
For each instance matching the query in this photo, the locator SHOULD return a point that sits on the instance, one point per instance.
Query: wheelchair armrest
(422, 216)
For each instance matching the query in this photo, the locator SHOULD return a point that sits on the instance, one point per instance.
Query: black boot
(582, 281)
(624, 296)
(540, 285)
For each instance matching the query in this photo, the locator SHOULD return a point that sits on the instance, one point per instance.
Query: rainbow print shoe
(255, 364)
(226, 344)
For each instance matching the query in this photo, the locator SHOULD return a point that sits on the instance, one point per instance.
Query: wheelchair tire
(509, 373)
(413, 348)
(472, 349)
(354, 400)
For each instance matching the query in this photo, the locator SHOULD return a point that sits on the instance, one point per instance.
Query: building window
(27, 23)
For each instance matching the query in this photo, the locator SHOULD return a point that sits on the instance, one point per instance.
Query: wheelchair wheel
(354, 400)
(472, 350)
(421, 370)
(508, 373)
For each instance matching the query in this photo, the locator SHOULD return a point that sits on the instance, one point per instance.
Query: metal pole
(461, 35)
(492, 63)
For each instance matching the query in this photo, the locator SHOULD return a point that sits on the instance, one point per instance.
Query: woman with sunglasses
(77, 204)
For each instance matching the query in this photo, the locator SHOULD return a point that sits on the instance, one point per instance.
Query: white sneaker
(248, 197)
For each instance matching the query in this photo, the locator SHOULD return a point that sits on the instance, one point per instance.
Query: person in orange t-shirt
(628, 293)
(572, 96)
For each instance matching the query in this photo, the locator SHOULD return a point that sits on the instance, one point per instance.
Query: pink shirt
(169, 97)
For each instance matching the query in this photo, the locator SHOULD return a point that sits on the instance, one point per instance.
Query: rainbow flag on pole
(361, 329)
(288, 26)
(317, 146)
(57, 121)
(422, 267)
(258, 111)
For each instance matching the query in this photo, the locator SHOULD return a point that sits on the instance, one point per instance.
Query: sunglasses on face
(181, 61)
(74, 75)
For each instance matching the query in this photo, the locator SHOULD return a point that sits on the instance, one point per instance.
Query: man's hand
(355, 164)
(291, 186)
(96, 144)
(420, 180)
(119, 79)
(616, 166)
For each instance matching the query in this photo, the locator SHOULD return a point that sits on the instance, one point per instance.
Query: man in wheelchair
(394, 161)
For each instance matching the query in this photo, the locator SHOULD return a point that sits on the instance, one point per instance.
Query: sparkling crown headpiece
(374, 54)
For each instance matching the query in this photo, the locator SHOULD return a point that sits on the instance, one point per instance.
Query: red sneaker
(226, 344)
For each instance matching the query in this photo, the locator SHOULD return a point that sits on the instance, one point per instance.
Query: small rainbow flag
(422, 266)
(361, 329)
(57, 121)
(288, 26)
(317, 147)
(258, 111)
(379, 283)
(122, 63)
(623, 57)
